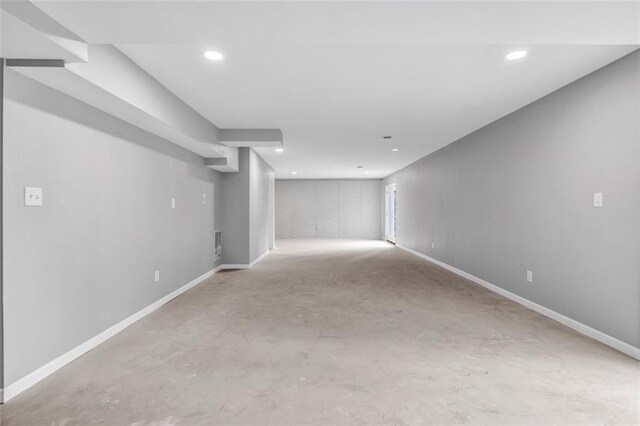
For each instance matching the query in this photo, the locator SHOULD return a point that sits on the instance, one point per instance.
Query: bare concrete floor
(337, 332)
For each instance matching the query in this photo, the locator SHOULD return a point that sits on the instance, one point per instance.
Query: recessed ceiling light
(366, 173)
(516, 54)
(213, 55)
(279, 149)
(395, 149)
(294, 173)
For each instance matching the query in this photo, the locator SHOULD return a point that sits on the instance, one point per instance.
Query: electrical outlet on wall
(157, 276)
(529, 276)
(173, 203)
(32, 196)
(433, 245)
(597, 199)
(204, 198)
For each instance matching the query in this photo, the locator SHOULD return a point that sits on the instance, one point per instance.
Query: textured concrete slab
(339, 332)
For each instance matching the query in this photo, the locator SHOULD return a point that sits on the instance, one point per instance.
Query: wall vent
(217, 245)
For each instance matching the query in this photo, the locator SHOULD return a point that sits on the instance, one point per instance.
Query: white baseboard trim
(610, 341)
(34, 377)
(245, 265)
(236, 266)
(259, 258)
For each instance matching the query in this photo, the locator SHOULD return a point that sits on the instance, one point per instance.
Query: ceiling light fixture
(366, 173)
(395, 149)
(279, 149)
(213, 55)
(516, 54)
(294, 173)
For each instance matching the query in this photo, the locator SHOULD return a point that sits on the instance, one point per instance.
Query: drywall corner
(235, 212)
(245, 216)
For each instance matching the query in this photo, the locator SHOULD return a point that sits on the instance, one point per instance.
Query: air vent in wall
(217, 241)
(386, 138)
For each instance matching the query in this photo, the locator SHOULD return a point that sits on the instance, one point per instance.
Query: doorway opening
(390, 213)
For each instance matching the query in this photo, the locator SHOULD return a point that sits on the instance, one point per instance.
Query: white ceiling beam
(228, 164)
(87, 91)
(113, 83)
(113, 72)
(253, 138)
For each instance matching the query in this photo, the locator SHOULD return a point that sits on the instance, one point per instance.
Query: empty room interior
(320, 212)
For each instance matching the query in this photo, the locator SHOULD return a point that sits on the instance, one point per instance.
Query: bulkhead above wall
(100, 75)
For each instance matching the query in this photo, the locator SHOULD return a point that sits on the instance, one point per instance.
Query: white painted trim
(236, 266)
(34, 377)
(259, 258)
(245, 265)
(610, 341)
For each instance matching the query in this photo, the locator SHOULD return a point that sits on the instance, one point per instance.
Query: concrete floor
(337, 332)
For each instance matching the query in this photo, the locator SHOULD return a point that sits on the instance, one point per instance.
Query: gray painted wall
(517, 195)
(235, 212)
(86, 259)
(328, 209)
(245, 209)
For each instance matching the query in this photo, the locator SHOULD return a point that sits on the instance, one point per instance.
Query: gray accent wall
(328, 209)
(245, 217)
(517, 195)
(235, 212)
(86, 259)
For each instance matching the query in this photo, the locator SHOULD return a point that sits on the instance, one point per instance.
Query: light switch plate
(173, 203)
(32, 196)
(529, 276)
(597, 199)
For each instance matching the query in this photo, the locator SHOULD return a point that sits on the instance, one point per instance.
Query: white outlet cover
(32, 196)
(529, 276)
(157, 276)
(597, 199)
(173, 203)
(433, 245)
(204, 198)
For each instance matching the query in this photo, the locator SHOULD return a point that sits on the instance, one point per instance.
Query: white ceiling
(336, 76)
